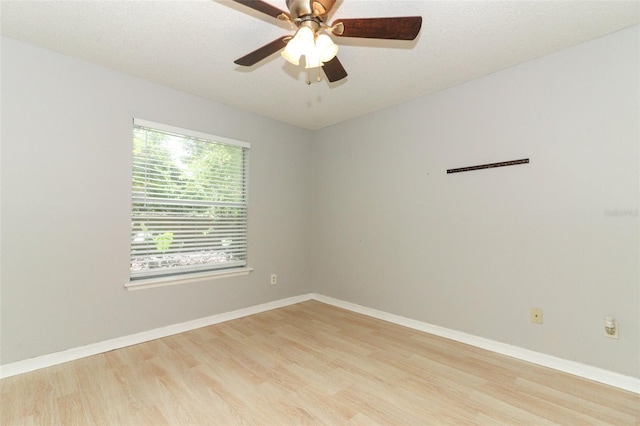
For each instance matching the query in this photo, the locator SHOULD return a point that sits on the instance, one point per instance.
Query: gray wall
(66, 170)
(475, 251)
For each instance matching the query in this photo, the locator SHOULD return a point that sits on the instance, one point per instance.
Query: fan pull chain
(318, 78)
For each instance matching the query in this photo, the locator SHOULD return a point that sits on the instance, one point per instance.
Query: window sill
(183, 279)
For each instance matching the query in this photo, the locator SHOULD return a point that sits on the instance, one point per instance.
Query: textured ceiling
(191, 46)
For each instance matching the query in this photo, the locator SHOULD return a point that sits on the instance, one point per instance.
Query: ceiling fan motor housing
(306, 8)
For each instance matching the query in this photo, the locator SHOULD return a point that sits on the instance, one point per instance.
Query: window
(189, 202)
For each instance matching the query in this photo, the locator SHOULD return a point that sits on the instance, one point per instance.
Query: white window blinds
(189, 202)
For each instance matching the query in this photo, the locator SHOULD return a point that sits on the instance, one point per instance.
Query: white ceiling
(191, 46)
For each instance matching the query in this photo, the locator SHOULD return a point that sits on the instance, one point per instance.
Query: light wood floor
(308, 363)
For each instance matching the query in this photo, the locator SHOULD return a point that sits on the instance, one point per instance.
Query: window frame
(180, 277)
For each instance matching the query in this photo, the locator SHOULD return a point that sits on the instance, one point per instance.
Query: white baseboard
(607, 377)
(621, 381)
(19, 367)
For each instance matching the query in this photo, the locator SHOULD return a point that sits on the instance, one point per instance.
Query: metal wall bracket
(489, 166)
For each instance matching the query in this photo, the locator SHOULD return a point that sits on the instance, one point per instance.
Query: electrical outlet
(274, 279)
(536, 315)
(611, 328)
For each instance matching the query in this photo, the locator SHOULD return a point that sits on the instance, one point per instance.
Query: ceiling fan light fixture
(301, 43)
(316, 50)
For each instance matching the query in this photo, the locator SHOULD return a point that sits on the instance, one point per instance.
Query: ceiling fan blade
(398, 28)
(263, 7)
(334, 70)
(262, 52)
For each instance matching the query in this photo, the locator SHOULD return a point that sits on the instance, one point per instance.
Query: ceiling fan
(311, 40)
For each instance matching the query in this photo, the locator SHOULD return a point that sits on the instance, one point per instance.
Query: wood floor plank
(308, 363)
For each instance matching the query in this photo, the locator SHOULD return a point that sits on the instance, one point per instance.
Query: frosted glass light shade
(292, 52)
(326, 47)
(305, 36)
(312, 58)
